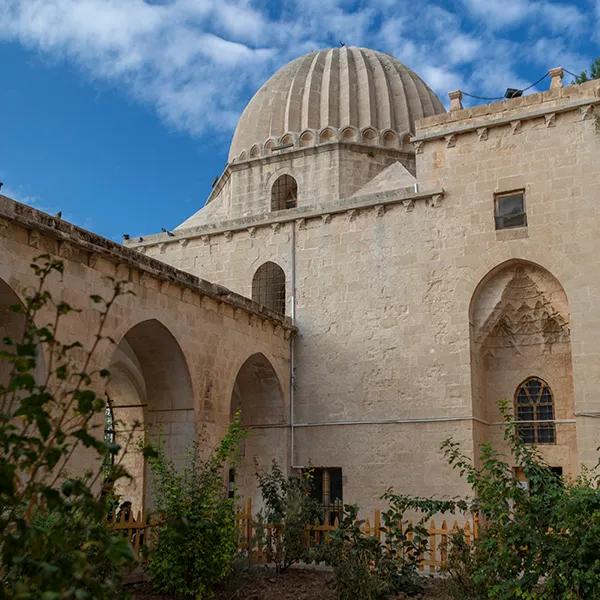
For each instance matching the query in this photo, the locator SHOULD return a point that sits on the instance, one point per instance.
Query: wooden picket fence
(434, 559)
(137, 531)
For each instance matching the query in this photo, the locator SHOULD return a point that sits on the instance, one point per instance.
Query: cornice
(351, 206)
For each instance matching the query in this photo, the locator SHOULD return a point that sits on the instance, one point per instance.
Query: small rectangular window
(509, 210)
(327, 489)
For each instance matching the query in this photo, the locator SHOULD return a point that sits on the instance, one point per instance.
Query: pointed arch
(150, 393)
(258, 395)
(520, 332)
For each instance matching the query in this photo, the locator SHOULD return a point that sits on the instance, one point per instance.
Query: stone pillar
(455, 100)
(557, 77)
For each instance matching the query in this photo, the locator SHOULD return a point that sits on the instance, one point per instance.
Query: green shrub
(54, 543)
(195, 546)
(540, 543)
(372, 567)
(289, 508)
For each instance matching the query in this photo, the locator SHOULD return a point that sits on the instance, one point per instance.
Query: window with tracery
(268, 287)
(534, 411)
(284, 193)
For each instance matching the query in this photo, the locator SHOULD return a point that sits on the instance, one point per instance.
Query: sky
(119, 113)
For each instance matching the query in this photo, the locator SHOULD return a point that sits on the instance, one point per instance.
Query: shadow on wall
(150, 384)
(257, 393)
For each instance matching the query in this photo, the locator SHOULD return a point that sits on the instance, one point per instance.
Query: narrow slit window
(509, 210)
(284, 193)
(534, 412)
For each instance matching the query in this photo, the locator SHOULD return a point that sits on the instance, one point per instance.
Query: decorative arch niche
(150, 393)
(258, 395)
(519, 330)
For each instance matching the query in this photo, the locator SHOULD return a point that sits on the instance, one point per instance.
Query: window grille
(109, 433)
(509, 210)
(326, 487)
(284, 193)
(534, 405)
(268, 287)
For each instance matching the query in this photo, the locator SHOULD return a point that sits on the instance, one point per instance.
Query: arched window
(268, 287)
(534, 404)
(284, 193)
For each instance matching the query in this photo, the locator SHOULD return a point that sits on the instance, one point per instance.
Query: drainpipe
(292, 345)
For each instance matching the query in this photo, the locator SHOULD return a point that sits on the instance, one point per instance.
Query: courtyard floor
(296, 584)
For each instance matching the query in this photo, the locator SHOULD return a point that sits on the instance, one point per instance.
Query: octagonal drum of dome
(337, 88)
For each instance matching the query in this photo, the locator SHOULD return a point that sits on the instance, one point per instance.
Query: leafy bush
(54, 542)
(372, 567)
(539, 543)
(195, 546)
(289, 508)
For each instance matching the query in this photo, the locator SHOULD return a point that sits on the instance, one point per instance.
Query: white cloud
(195, 61)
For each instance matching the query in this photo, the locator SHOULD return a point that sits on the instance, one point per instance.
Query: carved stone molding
(482, 133)
(586, 111)
(228, 235)
(351, 214)
(450, 140)
(326, 218)
(65, 250)
(275, 227)
(550, 119)
(435, 200)
(379, 210)
(409, 205)
(92, 260)
(515, 126)
(251, 231)
(34, 238)
(418, 147)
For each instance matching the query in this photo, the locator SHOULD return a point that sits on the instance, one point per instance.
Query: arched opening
(268, 287)
(150, 393)
(12, 325)
(521, 352)
(284, 193)
(257, 394)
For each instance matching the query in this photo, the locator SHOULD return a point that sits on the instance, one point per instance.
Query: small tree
(372, 567)
(539, 542)
(54, 542)
(288, 508)
(594, 72)
(195, 546)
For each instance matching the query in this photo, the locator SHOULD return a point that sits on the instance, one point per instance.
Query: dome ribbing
(337, 88)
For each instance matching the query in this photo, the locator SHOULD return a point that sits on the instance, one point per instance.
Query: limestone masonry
(429, 264)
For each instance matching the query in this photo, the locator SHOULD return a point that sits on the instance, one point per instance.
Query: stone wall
(384, 368)
(180, 341)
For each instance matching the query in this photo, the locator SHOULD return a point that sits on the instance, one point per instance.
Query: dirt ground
(296, 584)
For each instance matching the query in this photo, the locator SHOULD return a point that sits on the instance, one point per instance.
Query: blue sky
(119, 112)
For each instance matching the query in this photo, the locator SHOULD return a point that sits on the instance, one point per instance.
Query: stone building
(429, 264)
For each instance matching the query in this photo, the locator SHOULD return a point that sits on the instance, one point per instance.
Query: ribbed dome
(337, 88)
